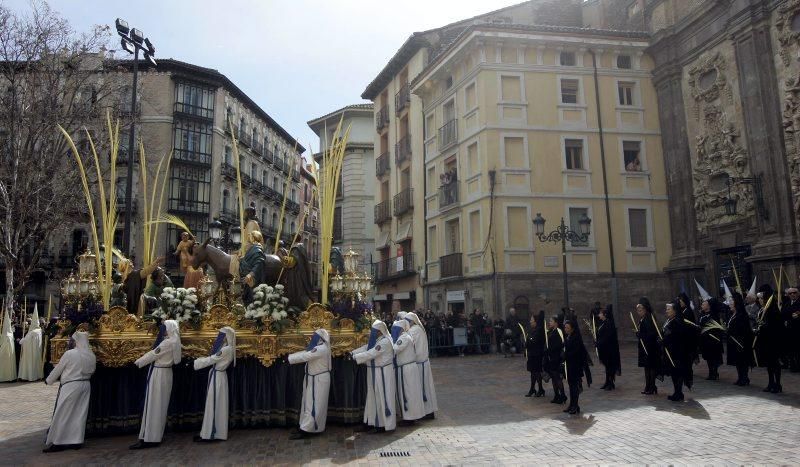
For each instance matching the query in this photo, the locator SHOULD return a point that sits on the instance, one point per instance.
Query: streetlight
(730, 202)
(224, 238)
(132, 41)
(562, 234)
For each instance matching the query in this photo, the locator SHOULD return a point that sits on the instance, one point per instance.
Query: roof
(411, 46)
(530, 28)
(214, 77)
(366, 107)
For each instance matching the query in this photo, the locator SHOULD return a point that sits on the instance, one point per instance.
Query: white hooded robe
(409, 383)
(30, 360)
(215, 417)
(420, 338)
(316, 383)
(379, 410)
(159, 383)
(8, 354)
(73, 371)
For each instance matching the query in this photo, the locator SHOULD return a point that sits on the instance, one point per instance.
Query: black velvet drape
(259, 396)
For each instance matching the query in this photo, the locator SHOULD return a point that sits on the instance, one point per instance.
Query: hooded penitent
(316, 382)
(8, 354)
(30, 360)
(378, 355)
(220, 358)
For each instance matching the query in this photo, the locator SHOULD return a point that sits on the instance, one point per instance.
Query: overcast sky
(298, 59)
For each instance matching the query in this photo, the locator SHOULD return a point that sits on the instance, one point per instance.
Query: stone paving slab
(483, 420)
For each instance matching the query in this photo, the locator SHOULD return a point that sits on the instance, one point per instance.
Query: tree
(50, 75)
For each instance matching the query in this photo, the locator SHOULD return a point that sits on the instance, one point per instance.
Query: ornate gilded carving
(787, 36)
(718, 156)
(122, 338)
(713, 69)
(315, 317)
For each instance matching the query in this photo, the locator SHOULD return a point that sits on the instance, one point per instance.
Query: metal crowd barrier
(460, 341)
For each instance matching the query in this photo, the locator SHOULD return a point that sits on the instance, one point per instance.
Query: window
(190, 189)
(294, 195)
(226, 199)
(569, 91)
(514, 152)
(470, 99)
(625, 90)
(575, 215)
(510, 88)
(518, 222)
(473, 164)
(275, 184)
(567, 59)
(631, 153)
(274, 220)
(193, 141)
(430, 126)
(573, 152)
(263, 214)
(432, 181)
(449, 82)
(433, 250)
(624, 62)
(637, 224)
(253, 170)
(194, 99)
(292, 228)
(337, 224)
(228, 156)
(264, 177)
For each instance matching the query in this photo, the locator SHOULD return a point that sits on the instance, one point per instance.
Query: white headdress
(752, 290)
(401, 314)
(381, 327)
(230, 338)
(174, 334)
(413, 317)
(703, 294)
(323, 334)
(87, 357)
(728, 294)
(35, 318)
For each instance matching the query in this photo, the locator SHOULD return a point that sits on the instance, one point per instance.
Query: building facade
(353, 222)
(309, 233)
(494, 120)
(726, 75)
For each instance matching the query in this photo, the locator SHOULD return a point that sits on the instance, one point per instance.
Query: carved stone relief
(787, 24)
(719, 154)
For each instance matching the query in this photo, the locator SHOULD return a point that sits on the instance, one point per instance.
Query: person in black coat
(685, 307)
(649, 353)
(769, 336)
(677, 354)
(608, 346)
(553, 362)
(577, 362)
(711, 336)
(791, 316)
(534, 348)
(740, 340)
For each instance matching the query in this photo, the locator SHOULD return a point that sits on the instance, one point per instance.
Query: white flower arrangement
(268, 302)
(178, 303)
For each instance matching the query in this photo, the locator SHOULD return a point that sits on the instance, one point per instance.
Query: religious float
(272, 312)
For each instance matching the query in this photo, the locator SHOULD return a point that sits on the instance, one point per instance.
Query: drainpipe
(426, 289)
(614, 294)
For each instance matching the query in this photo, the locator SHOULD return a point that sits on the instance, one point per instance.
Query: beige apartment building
(353, 213)
(482, 124)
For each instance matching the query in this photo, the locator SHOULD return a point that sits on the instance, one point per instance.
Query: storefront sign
(455, 296)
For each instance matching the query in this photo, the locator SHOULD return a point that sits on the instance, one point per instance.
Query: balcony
(293, 206)
(189, 155)
(448, 195)
(257, 148)
(382, 118)
(188, 206)
(193, 111)
(296, 175)
(227, 170)
(402, 98)
(450, 265)
(448, 134)
(228, 216)
(404, 201)
(382, 165)
(246, 139)
(383, 212)
(402, 150)
(394, 268)
(278, 163)
(267, 154)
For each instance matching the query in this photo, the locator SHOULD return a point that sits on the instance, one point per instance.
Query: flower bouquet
(358, 310)
(269, 308)
(86, 311)
(179, 304)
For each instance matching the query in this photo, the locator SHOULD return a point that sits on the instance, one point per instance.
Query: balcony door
(452, 231)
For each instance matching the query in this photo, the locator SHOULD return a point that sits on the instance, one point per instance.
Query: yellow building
(512, 129)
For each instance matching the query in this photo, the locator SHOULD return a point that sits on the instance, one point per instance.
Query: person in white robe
(316, 384)
(417, 332)
(378, 355)
(30, 358)
(215, 417)
(166, 352)
(409, 386)
(8, 354)
(73, 372)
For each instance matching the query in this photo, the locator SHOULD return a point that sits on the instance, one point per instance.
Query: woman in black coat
(577, 361)
(677, 352)
(534, 348)
(685, 307)
(711, 336)
(740, 340)
(554, 359)
(608, 346)
(769, 338)
(649, 350)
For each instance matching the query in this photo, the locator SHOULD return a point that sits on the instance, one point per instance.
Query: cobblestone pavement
(483, 419)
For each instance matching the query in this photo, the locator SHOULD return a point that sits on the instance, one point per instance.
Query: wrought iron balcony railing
(193, 110)
(403, 201)
(394, 268)
(402, 150)
(382, 165)
(382, 118)
(448, 134)
(383, 212)
(402, 98)
(450, 265)
(448, 195)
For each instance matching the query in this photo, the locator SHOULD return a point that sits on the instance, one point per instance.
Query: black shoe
(768, 388)
(777, 388)
(540, 393)
(143, 445)
(575, 410)
(563, 399)
(610, 387)
(568, 409)
(200, 439)
(380, 430)
(299, 434)
(675, 397)
(54, 448)
(530, 393)
(604, 386)
(746, 382)
(555, 399)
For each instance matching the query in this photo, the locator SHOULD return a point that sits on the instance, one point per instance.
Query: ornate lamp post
(562, 234)
(223, 237)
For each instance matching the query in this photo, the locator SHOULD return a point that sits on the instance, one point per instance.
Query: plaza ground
(483, 419)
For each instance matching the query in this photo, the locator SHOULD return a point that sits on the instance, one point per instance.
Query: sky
(297, 59)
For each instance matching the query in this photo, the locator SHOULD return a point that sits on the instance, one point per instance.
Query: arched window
(263, 214)
(292, 229)
(274, 220)
(264, 177)
(226, 199)
(228, 155)
(294, 195)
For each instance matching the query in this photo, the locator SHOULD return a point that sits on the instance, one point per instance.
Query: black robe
(554, 353)
(770, 335)
(740, 340)
(535, 349)
(650, 354)
(576, 357)
(677, 355)
(608, 347)
(710, 341)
